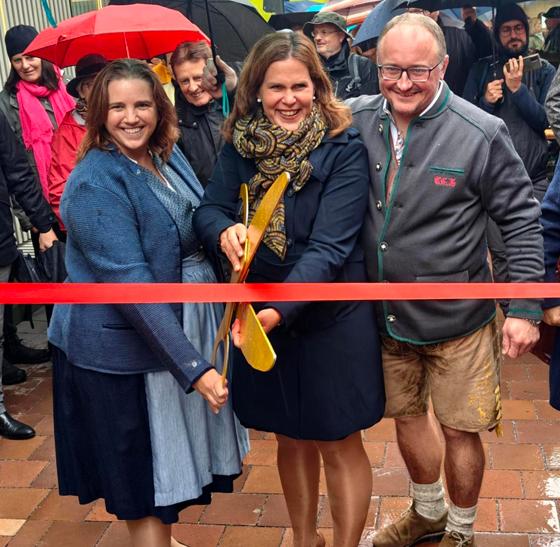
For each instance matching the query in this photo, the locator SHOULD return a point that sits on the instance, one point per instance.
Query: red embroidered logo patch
(450, 182)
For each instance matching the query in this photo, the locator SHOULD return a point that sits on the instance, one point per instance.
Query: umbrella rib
(239, 35)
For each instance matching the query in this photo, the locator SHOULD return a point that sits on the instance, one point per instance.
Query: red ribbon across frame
(149, 293)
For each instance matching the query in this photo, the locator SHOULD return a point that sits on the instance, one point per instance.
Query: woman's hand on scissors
(213, 388)
(232, 243)
(269, 318)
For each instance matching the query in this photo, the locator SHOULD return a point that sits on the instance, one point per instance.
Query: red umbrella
(138, 31)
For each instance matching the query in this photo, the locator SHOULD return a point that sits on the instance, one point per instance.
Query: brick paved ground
(520, 496)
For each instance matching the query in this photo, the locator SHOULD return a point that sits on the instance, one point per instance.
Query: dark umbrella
(377, 19)
(235, 26)
(436, 5)
(296, 14)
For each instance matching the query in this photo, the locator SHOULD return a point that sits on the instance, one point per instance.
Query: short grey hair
(416, 20)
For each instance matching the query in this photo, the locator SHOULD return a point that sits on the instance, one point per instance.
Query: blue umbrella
(377, 19)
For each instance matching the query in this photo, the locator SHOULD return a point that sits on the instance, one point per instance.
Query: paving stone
(382, 431)
(19, 503)
(262, 453)
(19, 450)
(31, 533)
(501, 484)
(66, 508)
(275, 512)
(393, 456)
(518, 410)
(243, 509)
(538, 432)
(533, 516)
(199, 535)
(529, 389)
(541, 484)
(19, 473)
(74, 534)
(376, 453)
(390, 482)
(517, 456)
(249, 536)
(10, 527)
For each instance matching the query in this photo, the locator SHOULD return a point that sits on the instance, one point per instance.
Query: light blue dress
(190, 444)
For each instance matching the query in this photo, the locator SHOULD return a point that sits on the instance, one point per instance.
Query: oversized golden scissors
(254, 344)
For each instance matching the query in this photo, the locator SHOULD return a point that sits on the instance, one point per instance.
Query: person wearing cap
(68, 137)
(351, 74)
(552, 21)
(502, 87)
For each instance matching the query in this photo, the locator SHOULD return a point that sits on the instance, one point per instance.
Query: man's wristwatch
(533, 322)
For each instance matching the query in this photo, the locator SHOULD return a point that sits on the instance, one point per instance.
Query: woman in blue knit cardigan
(130, 381)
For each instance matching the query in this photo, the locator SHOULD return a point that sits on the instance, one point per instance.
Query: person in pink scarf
(34, 100)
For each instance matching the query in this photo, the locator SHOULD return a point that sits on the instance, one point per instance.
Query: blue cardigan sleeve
(103, 225)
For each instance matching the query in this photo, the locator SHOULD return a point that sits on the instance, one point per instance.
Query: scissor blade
(261, 220)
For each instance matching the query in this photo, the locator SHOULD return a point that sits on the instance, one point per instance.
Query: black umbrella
(235, 25)
(436, 5)
(290, 20)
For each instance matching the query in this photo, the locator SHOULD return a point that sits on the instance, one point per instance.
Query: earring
(314, 97)
(259, 100)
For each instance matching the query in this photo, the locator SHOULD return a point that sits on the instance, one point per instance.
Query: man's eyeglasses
(414, 73)
(507, 30)
(322, 32)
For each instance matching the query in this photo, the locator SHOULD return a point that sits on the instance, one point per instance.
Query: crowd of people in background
(426, 159)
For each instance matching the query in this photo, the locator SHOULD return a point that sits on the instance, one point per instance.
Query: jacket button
(289, 242)
(194, 125)
(391, 318)
(290, 192)
(383, 246)
(380, 128)
(378, 205)
(378, 167)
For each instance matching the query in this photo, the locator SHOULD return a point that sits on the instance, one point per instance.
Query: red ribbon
(149, 293)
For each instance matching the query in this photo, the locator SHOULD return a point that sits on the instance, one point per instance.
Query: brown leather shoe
(455, 539)
(410, 529)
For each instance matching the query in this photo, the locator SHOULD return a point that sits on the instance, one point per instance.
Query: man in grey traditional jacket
(439, 168)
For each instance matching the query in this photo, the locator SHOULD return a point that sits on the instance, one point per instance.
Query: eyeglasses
(506, 31)
(323, 32)
(414, 73)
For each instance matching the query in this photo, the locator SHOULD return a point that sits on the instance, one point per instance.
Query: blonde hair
(415, 20)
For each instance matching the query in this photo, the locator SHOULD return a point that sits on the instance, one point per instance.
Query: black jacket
(523, 112)
(462, 55)
(351, 75)
(17, 178)
(201, 139)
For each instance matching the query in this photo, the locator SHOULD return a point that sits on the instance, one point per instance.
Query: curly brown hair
(166, 133)
(280, 46)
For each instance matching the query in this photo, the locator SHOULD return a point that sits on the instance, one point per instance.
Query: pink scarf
(36, 126)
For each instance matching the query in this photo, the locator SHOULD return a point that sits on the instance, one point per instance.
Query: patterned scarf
(276, 150)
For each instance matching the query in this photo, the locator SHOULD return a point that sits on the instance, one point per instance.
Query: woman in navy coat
(327, 383)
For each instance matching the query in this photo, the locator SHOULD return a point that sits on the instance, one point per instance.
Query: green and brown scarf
(276, 150)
